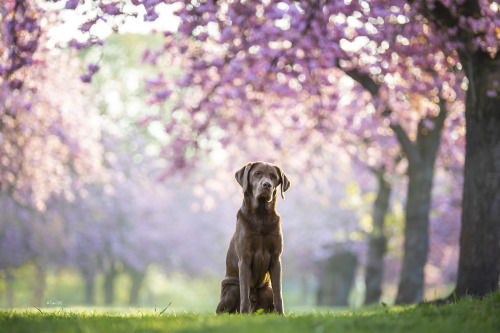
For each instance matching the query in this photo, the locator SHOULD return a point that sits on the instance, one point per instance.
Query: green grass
(462, 316)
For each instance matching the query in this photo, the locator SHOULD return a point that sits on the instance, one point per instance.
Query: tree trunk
(304, 290)
(377, 245)
(9, 288)
(479, 260)
(421, 157)
(89, 290)
(109, 285)
(411, 283)
(336, 279)
(137, 278)
(40, 285)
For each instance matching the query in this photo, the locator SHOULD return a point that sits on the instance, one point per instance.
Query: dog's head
(261, 180)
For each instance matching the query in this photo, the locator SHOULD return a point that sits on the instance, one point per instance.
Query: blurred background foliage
(134, 237)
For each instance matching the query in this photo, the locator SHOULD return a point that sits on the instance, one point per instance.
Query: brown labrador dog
(253, 261)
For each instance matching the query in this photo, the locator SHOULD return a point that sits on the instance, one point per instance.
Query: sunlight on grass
(462, 316)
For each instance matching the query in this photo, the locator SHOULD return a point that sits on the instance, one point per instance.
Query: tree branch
(443, 17)
(364, 80)
(443, 110)
(406, 144)
(370, 85)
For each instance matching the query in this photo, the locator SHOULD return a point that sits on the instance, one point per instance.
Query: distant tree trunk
(109, 285)
(479, 260)
(137, 278)
(304, 290)
(9, 288)
(40, 285)
(336, 279)
(89, 289)
(421, 157)
(411, 283)
(378, 243)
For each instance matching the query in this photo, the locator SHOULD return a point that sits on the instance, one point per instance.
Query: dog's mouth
(266, 195)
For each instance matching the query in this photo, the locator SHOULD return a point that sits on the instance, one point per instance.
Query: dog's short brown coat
(253, 261)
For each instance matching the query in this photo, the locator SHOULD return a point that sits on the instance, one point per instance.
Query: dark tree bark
(421, 157)
(479, 261)
(378, 242)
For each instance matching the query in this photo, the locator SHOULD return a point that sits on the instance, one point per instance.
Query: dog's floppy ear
(242, 176)
(285, 183)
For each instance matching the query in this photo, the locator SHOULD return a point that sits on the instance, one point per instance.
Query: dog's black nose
(267, 184)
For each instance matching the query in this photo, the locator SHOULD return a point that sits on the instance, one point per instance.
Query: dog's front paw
(245, 307)
(279, 310)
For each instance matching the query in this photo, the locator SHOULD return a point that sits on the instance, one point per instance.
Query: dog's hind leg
(229, 296)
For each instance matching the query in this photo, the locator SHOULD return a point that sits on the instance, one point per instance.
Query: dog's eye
(257, 174)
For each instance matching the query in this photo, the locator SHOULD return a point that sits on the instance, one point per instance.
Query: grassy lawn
(462, 316)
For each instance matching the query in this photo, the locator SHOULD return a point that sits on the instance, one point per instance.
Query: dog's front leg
(275, 273)
(245, 276)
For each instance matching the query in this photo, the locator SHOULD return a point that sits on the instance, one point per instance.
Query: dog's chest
(260, 234)
(264, 226)
(261, 262)
(264, 248)
(268, 229)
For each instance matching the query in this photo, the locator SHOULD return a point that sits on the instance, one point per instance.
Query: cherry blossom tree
(244, 64)
(49, 139)
(283, 67)
(472, 29)
(49, 132)
(276, 41)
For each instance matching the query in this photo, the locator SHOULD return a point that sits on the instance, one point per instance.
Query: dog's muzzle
(266, 191)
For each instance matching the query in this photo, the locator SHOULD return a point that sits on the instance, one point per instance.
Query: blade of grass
(165, 308)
